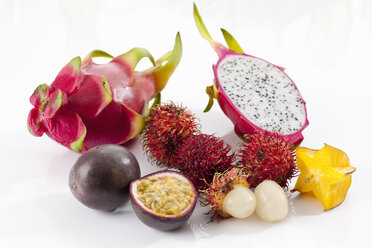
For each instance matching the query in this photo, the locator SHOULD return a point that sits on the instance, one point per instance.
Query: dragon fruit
(90, 104)
(255, 94)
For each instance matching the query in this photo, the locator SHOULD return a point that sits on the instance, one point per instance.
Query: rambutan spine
(216, 191)
(167, 126)
(203, 155)
(267, 156)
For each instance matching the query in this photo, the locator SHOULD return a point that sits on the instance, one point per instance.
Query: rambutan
(167, 127)
(267, 157)
(214, 195)
(201, 156)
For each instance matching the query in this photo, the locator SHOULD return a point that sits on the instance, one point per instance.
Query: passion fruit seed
(165, 195)
(272, 202)
(239, 202)
(163, 200)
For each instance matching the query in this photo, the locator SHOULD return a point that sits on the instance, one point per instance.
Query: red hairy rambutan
(216, 191)
(166, 128)
(267, 157)
(201, 156)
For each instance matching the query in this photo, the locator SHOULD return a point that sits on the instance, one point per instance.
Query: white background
(325, 47)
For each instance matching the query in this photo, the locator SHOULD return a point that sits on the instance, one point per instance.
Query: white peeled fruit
(239, 202)
(272, 202)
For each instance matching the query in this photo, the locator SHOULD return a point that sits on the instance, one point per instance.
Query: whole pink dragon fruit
(253, 93)
(90, 104)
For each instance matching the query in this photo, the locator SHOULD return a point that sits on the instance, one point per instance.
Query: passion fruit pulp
(163, 200)
(100, 177)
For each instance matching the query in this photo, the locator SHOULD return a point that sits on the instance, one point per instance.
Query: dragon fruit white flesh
(255, 94)
(91, 104)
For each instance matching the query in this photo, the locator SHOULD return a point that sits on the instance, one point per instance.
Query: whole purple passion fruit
(100, 178)
(163, 200)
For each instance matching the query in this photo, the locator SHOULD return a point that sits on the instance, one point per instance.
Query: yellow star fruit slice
(325, 172)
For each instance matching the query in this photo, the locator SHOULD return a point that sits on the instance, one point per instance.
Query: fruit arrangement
(224, 178)
(94, 108)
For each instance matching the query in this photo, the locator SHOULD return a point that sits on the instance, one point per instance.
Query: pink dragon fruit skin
(243, 123)
(90, 104)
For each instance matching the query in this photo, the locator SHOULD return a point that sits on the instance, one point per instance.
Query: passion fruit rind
(100, 177)
(154, 218)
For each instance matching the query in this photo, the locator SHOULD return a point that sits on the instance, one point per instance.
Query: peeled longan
(271, 201)
(239, 202)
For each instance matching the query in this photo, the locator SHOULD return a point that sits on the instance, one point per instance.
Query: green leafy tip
(97, 53)
(162, 72)
(41, 92)
(212, 93)
(77, 145)
(75, 63)
(201, 26)
(106, 88)
(231, 42)
(218, 47)
(54, 104)
(133, 56)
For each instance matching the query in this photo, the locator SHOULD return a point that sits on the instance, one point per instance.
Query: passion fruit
(100, 177)
(163, 200)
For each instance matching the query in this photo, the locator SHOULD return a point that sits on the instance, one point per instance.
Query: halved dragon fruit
(91, 104)
(253, 93)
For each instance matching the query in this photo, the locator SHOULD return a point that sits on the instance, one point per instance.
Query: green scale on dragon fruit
(254, 93)
(90, 104)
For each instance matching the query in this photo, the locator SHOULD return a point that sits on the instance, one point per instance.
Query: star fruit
(325, 172)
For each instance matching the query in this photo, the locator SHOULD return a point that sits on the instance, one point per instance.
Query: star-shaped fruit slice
(325, 172)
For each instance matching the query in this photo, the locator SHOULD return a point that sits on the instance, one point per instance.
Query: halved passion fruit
(163, 200)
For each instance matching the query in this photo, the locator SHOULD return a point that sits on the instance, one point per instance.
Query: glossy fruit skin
(90, 104)
(100, 178)
(163, 223)
(326, 173)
